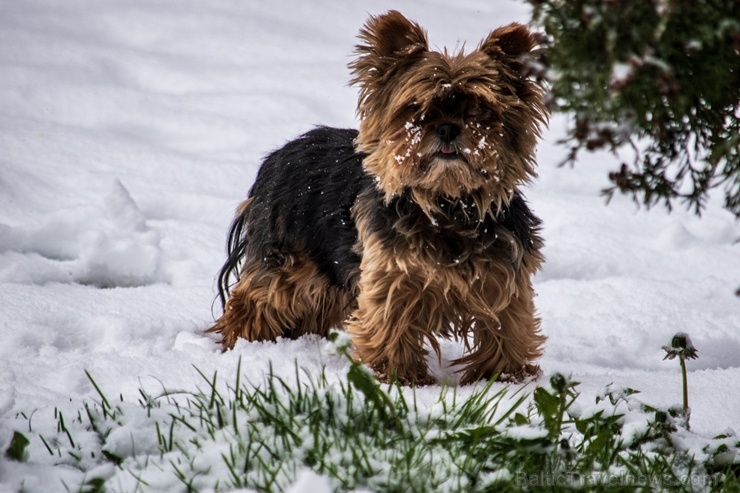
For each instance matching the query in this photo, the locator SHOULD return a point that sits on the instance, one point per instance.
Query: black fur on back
(302, 200)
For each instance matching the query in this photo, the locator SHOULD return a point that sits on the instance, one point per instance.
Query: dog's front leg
(508, 344)
(395, 314)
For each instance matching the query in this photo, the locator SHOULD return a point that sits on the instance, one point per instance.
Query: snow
(310, 481)
(621, 74)
(132, 130)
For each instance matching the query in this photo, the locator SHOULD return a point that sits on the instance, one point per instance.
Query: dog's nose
(447, 132)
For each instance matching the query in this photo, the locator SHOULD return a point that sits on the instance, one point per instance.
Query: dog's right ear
(385, 41)
(392, 35)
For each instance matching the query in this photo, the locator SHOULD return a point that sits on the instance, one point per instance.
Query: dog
(412, 228)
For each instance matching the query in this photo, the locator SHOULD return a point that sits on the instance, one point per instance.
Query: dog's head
(446, 126)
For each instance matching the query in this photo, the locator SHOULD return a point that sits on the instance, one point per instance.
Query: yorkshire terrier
(410, 229)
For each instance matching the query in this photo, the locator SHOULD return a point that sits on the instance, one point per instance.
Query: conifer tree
(659, 76)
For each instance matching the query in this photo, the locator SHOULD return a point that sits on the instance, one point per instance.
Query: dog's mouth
(448, 151)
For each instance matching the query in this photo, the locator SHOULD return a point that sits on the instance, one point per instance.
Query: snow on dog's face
(446, 126)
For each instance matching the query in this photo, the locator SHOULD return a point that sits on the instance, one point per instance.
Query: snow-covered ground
(130, 130)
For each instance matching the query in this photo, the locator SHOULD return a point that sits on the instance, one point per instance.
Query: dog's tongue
(448, 149)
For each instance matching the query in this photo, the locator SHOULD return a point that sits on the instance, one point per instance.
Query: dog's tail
(236, 248)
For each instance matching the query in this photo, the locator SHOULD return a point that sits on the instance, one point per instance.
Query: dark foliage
(660, 77)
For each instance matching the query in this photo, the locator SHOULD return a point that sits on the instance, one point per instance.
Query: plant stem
(685, 385)
(686, 410)
(561, 412)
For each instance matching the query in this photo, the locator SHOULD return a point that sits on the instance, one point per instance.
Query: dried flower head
(682, 347)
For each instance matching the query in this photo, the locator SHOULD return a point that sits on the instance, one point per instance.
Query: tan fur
(292, 300)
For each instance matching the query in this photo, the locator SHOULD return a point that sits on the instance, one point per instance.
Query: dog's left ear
(508, 42)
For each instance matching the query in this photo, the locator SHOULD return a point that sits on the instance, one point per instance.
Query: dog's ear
(387, 42)
(392, 35)
(508, 42)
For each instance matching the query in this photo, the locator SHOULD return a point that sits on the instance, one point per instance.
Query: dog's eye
(408, 111)
(482, 112)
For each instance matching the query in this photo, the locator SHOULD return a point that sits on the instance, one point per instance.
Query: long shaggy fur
(412, 228)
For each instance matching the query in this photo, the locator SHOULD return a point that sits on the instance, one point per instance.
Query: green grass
(372, 437)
